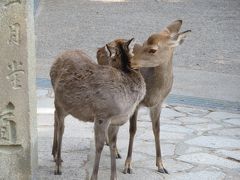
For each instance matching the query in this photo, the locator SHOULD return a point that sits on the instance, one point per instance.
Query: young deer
(158, 49)
(94, 93)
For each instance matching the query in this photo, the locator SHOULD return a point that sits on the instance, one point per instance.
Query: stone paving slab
(196, 144)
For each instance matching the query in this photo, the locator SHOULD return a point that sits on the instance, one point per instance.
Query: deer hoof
(118, 156)
(58, 168)
(163, 170)
(128, 171)
(55, 160)
(57, 172)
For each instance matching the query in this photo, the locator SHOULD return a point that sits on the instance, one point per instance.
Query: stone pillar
(18, 130)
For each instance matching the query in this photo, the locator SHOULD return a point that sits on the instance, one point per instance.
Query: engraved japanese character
(7, 125)
(9, 2)
(14, 37)
(15, 74)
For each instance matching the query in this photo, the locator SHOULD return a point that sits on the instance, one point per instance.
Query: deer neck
(164, 72)
(158, 81)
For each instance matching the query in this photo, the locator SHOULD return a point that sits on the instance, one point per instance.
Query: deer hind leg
(112, 134)
(132, 130)
(54, 147)
(107, 140)
(57, 140)
(100, 129)
(117, 154)
(155, 117)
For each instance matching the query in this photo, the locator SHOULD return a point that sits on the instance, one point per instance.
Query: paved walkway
(196, 144)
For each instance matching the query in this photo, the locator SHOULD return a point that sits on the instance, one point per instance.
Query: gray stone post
(18, 129)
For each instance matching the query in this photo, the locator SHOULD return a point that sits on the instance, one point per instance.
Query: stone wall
(18, 133)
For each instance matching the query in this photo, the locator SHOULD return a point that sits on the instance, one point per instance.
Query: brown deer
(95, 93)
(158, 49)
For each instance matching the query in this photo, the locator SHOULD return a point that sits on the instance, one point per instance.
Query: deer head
(119, 54)
(159, 46)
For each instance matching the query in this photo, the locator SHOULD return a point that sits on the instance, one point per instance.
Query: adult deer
(94, 93)
(158, 49)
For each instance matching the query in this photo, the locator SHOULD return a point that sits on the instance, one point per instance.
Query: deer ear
(174, 27)
(178, 38)
(106, 50)
(111, 50)
(129, 45)
(129, 42)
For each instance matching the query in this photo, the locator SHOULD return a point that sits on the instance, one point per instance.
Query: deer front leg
(155, 117)
(100, 130)
(132, 132)
(112, 134)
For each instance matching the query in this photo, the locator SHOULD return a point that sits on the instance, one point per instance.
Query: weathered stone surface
(222, 115)
(171, 165)
(193, 120)
(214, 142)
(206, 175)
(68, 172)
(176, 128)
(137, 156)
(170, 113)
(145, 125)
(204, 158)
(172, 135)
(75, 148)
(192, 111)
(143, 117)
(149, 148)
(234, 121)
(226, 132)
(143, 114)
(169, 121)
(218, 159)
(193, 149)
(18, 134)
(204, 126)
(138, 173)
(233, 155)
(176, 166)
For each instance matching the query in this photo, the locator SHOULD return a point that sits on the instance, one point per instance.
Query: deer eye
(152, 51)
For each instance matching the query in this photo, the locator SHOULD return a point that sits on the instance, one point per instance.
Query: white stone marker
(18, 132)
